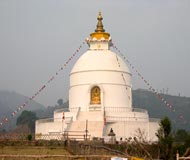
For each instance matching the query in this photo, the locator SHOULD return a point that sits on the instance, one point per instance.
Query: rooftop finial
(99, 26)
(100, 32)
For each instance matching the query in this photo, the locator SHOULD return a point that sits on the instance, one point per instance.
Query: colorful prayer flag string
(151, 88)
(14, 113)
(121, 73)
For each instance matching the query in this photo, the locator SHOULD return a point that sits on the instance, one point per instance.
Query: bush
(29, 137)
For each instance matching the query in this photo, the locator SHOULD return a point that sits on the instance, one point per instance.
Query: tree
(182, 141)
(2, 130)
(165, 128)
(60, 102)
(181, 135)
(27, 118)
(187, 141)
(165, 124)
(165, 138)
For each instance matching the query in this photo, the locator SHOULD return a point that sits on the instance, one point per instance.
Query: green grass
(33, 150)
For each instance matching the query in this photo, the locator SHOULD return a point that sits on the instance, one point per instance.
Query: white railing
(45, 120)
(118, 109)
(95, 108)
(78, 111)
(67, 120)
(61, 110)
(154, 120)
(115, 118)
(74, 109)
(125, 109)
(110, 109)
(139, 110)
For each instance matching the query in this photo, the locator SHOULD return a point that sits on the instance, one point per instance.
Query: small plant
(29, 137)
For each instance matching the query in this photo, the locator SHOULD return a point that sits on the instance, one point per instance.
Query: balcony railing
(74, 109)
(67, 120)
(124, 109)
(45, 120)
(116, 119)
(139, 110)
(61, 110)
(154, 120)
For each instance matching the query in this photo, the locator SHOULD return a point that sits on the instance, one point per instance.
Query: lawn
(32, 150)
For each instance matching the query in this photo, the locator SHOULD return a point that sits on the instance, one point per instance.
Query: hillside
(148, 100)
(9, 101)
(48, 112)
(156, 109)
(141, 99)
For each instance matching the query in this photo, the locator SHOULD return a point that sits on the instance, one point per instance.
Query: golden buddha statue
(95, 95)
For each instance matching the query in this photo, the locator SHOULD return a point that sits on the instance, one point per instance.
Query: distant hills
(141, 99)
(147, 100)
(9, 102)
(48, 112)
(180, 117)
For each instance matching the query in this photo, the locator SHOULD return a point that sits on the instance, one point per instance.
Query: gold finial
(100, 32)
(99, 26)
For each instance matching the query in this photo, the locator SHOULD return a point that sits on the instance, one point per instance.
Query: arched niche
(95, 95)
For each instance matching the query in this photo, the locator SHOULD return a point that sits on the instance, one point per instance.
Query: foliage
(27, 118)
(8, 102)
(147, 100)
(165, 138)
(29, 137)
(141, 99)
(187, 141)
(181, 135)
(165, 128)
(165, 124)
(181, 142)
(60, 102)
(48, 112)
(3, 130)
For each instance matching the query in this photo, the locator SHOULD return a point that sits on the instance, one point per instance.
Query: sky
(37, 38)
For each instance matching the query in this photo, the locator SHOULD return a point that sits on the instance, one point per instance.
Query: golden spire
(100, 31)
(99, 26)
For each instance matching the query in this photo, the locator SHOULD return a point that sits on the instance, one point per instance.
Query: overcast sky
(38, 36)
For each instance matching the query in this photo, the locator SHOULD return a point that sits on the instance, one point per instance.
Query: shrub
(29, 137)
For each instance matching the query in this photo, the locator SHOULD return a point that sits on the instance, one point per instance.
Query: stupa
(100, 97)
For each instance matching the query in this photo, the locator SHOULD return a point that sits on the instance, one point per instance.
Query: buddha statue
(95, 95)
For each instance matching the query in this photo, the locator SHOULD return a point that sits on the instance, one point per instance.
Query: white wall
(114, 93)
(153, 127)
(46, 128)
(132, 129)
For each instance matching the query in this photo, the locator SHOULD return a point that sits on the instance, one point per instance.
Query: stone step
(95, 128)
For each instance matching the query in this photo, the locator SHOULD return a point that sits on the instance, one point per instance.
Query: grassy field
(43, 153)
(32, 150)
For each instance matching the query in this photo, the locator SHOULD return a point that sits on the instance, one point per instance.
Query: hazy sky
(38, 36)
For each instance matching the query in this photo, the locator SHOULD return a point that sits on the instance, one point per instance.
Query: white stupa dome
(100, 67)
(102, 60)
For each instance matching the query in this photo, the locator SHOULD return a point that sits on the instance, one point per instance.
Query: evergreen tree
(165, 138)
(60, 102)
(27, 118)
